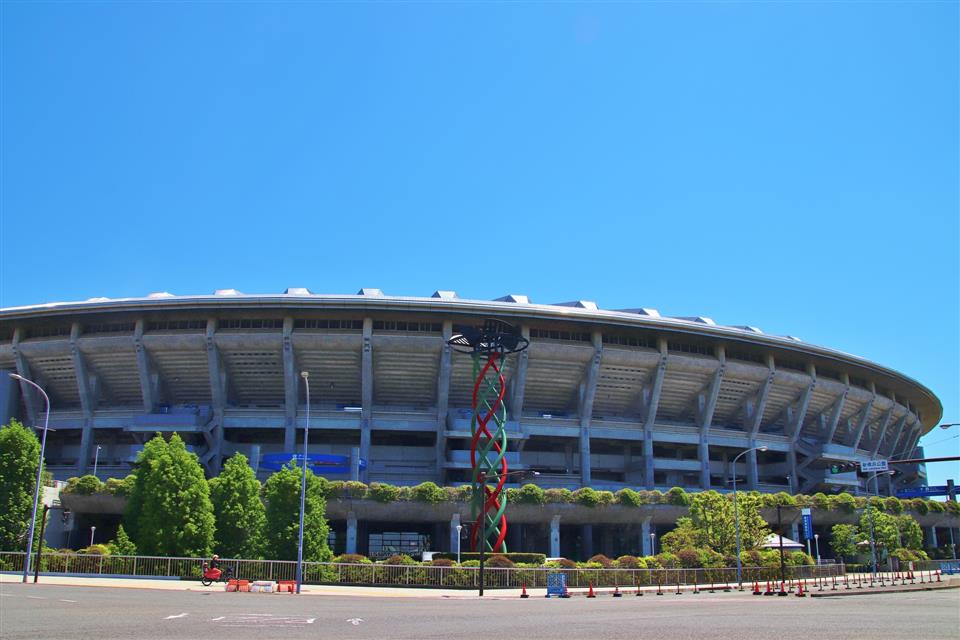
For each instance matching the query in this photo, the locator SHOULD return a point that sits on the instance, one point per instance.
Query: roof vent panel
(297, 291)
(445, 295)
(514, 298)
(226, 292)
(370, 292)
(578, 304)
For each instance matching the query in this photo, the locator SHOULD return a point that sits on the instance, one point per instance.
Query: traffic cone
(769, 591)
(524, 594)
(938, 575)
(756, 589)
(591, 594)
(783, 589)
(800, 593)
(616, 592)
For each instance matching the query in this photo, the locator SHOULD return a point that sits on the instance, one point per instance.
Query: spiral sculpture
(488, 345)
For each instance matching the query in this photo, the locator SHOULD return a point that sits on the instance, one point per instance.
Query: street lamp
(816, 538)
(303, 483)
(96, 458)
(459, 529)
(36, 490)
(93, 530)
(653, 543)
(736, 511)
(483, 516)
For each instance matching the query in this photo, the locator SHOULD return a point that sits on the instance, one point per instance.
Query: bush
(84, 486)
(117, 487)
(527, 494)
(352, 558)
(464, 493)
(919, 505)
(654, 496)
(893, 505)
(382, 492)
(535, 559)
(689, 558)
(427, 492)
(952, 507)
(629, 498)
(798, 558)
(666, 560)
(95, 550)
(602, 560)
(558, 495)
(677, 496)
(844, 502)
(586, 497)
(935, 507)
(400, 558)
(353, 490)
(499, 561)
(629, 562)
(442, 562)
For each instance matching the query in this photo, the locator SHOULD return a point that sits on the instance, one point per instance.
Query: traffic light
(843, 467)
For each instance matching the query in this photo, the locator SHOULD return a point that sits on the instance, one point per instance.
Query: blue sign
(807, 524)
(923, 492)
(557, 585)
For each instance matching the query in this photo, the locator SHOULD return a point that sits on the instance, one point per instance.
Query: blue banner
(807, 526)
(923, 492)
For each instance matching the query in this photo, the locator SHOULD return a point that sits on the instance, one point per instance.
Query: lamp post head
(16, 376)
(763, 448)
(943, 426)
(304, 374)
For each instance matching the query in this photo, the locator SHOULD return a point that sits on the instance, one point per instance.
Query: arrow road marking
(181, 615)
(355, 621)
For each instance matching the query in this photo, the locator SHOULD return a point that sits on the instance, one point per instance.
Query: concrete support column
(704, 464)
(651, 417)
(795, 531)
(218, 393)
(366, 391)
(586, 538)
(586, 408)
(555, 537)
(443, 396)
(792, 466)
(648, 462)
(9, 397)
(455, 536)
(519, 382)
(355, 463)
(351, 546)
(291, 388)
(568, 458)
(752, 471)
(932, 542)
(645, 542)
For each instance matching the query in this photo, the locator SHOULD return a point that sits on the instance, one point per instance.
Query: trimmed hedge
(516, 558)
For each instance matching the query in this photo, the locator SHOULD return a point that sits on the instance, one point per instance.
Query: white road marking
(62, 600)
(310, 620)
(180, 615)
(355, 621)
(36, 597)
(216, 619)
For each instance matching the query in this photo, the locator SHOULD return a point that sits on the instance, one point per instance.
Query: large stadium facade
(607, 399)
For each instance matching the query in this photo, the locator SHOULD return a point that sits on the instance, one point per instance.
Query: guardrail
(405, 575)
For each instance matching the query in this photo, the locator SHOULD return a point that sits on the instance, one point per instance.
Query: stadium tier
(607, 399)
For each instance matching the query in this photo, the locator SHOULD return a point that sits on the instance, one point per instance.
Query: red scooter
(212, 574)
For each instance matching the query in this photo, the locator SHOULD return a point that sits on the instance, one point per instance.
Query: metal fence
(406, 575)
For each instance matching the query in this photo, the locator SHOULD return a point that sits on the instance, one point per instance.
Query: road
(50, 611)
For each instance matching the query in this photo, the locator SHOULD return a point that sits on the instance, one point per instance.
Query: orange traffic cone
(756, 589)
(616, 592)
(800, 592)
(524, 594)
(591, 594)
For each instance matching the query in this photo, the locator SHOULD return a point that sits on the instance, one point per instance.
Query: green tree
(712, 517)
(911, 536)
(19, 453)
(282, 496)
(122, 545)
(843, 540)
(885, 531)
(239, 513)
(169, 510)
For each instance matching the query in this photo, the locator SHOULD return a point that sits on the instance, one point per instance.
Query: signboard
(924, 492)
(557, 585)
(807, 524)
(874, 465)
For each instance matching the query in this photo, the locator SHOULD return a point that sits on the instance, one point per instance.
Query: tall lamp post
(483, 519)
(816, 538)
(459, 529)
(736, 511)
(653, 543)
(303, 483)
(36, 489)
(96, 459)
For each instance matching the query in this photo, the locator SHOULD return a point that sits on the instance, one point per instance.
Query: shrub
(587, 497)
(84, 486)
(95, 550)
(893, 505)
(442, 562)
(654, 496)
(352, 558)
(689, 558)
(354, 490)
(535, 559)
(935, 507)
(499, 561)
(117, 487)
(919, 505)
(464, 493)
(677, 496)
(558, 495)
(527, 494)
(629, 498)
(952, 507)
(602, 560)
(629, 562)
(427, 492)
(798, 558)
(400, 558)
(844, 502)
(666, 560)
(382, 492)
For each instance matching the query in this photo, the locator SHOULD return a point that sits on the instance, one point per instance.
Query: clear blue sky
(792, 166)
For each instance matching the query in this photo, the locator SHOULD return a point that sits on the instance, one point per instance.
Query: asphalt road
(49, 611)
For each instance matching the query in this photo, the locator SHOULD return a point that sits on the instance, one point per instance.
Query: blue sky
(792, 166)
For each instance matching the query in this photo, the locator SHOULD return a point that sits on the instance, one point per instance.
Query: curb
(846, 594)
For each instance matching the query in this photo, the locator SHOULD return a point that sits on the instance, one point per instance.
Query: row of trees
(891, 534)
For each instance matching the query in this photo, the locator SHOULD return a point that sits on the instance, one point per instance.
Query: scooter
(212, 574)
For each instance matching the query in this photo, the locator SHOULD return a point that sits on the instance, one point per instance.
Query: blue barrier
(319, 462)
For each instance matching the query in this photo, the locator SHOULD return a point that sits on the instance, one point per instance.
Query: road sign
(923, 492)
(874, 465)
(807, 524)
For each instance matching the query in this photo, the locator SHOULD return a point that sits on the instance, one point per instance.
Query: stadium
(606, 399)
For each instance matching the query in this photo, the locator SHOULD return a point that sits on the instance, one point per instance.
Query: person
(215, 562)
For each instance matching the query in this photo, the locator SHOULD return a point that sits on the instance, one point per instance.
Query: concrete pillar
(792, 481)
(586, 539)
(645, 542)
(443, 402)
(9, 397)
(932, 542)
(752, 472)
(568, 457)
(555, 537)
(455, 536)
(366, 392)
(648, 462)
(795, 531)
(254, 457)
(704, 464)
(351, 546)
(355, 463)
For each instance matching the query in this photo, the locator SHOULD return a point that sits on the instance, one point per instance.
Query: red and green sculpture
(488, 346)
